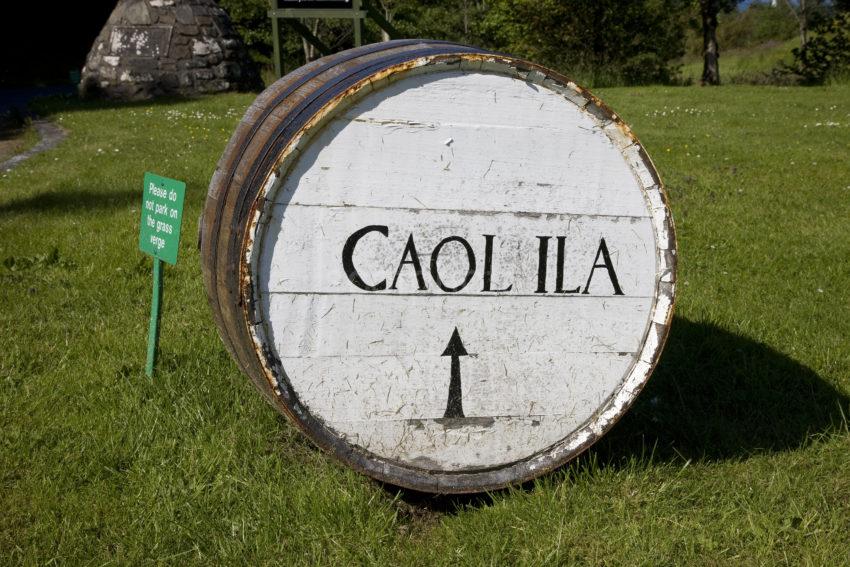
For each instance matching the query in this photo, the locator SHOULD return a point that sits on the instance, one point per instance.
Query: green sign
(162, 214)
(159, 236)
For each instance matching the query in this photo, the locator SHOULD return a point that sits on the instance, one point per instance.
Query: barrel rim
(608, 413)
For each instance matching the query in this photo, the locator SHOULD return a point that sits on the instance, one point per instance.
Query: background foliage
(597, 42)
(605, 41)
(748, 28)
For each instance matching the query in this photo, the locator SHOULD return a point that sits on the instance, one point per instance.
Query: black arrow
(454, 406)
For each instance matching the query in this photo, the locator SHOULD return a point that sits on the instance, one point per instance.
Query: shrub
(826, 56)
(647, 69)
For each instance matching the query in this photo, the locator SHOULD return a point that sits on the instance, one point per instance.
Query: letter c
(348, 252)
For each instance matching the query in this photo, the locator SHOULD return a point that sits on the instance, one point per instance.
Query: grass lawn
(737, 452)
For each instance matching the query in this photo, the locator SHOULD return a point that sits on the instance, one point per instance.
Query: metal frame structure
(295, 10)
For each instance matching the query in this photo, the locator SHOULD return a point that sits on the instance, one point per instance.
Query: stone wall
(150, 48)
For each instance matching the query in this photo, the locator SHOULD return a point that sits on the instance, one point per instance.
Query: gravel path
(50, 135)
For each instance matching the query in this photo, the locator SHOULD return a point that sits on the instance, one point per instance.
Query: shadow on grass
(47, 106)
(720, 395)
(715, 395)
(65, 201)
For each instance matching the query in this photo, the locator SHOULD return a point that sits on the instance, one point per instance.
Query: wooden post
(358, 23)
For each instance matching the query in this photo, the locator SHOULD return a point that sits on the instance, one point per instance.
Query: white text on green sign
(162, 215)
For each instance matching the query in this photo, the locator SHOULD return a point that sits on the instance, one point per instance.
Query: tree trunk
(801, 13)
(310, 52)
(711, 52)
(388, 15)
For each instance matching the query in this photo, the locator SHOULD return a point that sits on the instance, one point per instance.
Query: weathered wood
(375, 204)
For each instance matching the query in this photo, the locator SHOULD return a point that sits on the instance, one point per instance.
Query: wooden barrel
(452, 269)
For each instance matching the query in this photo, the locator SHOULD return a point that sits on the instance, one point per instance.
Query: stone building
(157, 47)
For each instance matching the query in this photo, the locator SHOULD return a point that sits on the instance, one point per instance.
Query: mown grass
(738, 451)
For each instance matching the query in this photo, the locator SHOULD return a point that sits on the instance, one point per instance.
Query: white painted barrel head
(462, 272)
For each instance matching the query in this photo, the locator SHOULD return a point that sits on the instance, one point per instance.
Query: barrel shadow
(50, 104)
(715, 395)
(720, 395)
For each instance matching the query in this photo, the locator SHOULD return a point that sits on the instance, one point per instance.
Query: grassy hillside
(744, 64)
(752, 41)
(738, 450)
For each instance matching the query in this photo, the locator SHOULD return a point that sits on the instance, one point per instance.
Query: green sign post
(159, 236)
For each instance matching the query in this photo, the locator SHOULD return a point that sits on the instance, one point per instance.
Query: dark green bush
(599, 42)
(251, 21)
(647, 69)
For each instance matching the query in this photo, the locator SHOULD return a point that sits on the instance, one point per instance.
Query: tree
(827, 54)
(598, 42)
(709, 10)
(388, 8)
(809, 14)
(801, 13)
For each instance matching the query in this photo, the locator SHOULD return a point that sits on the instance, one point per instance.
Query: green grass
(745, 65)
(737, 452)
